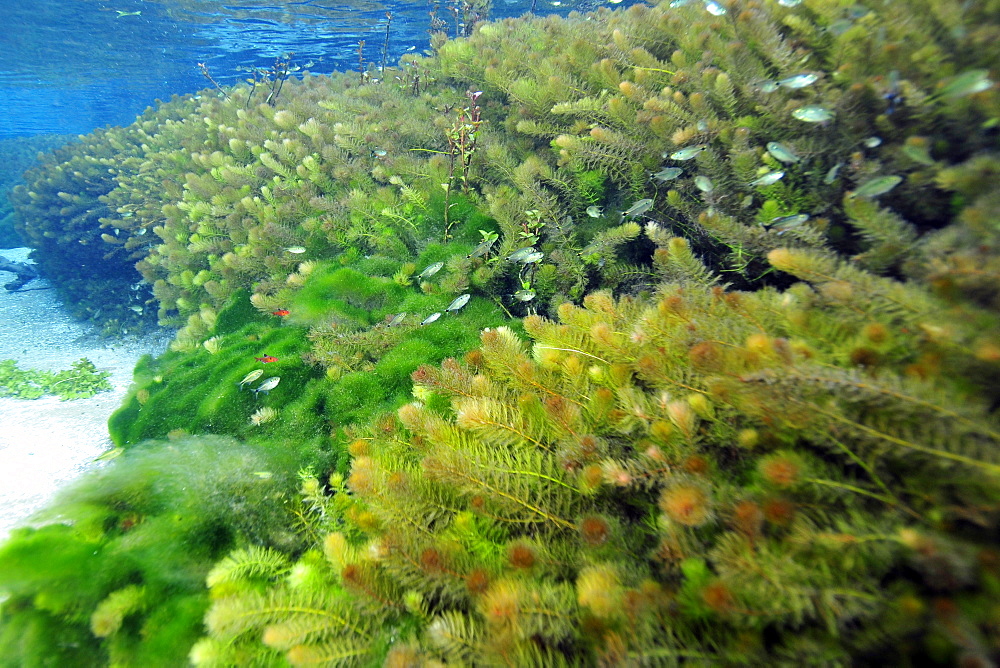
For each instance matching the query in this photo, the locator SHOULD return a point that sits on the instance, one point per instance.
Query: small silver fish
(482, 249)
(768, 86)
(521, 253)
(813, 114)
(917, 153)
(668, 174)
(296, 250)
(458, 303)
(781, 152)
(872, 142)
(878, 186)
(524, 295)
(831, 175)
(784, 223)
(431, 270)
(703, 183)
(798, 81)
(687, 153)
(251, 377)
(431, 318)
(966, 83)
(594, 211)
(110, 454)
(642, 206)
(531, 258)
(714, 8)
(267, 385)
(396, 319)
(767, 179)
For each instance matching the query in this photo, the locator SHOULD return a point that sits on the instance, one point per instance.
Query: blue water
(69, 66)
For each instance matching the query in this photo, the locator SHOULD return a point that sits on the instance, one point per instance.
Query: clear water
(69, 66)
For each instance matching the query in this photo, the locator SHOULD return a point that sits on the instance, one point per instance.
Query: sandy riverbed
(45, 443)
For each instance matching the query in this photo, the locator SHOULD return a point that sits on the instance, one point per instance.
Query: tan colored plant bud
(687, 504)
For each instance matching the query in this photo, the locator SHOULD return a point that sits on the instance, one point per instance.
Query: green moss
(200, 391)
(156, 517)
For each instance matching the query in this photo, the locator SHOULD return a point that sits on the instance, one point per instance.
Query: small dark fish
(458, 303)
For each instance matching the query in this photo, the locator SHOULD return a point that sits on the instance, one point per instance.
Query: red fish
(266, 359)
(281, 312)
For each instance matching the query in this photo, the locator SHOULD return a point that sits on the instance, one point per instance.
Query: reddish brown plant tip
(778, 511)
(431, 560)
(594, 530)
(780, 470)
(477, 582)
(865, 357)
(521, 556)
(686, 504)
(705, 356)
(876, 332)
(592, 476)
(351, 573)
(696, 464)
(718, 597)
(748, 518)
(475, 358)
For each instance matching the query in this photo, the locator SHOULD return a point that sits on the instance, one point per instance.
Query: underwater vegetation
(20, 153)
(81, 381)
(118, 578)
(665, 335)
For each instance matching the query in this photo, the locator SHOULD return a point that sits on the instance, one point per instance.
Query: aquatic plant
(709, 474)
(113, 573)
(81, 381)
(712, 463)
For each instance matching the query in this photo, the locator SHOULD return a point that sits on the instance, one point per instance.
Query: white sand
(47, 442)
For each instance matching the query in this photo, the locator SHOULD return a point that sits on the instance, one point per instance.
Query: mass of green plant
(651, 336)
(81, 381)
(19, 153)
(117, 577)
